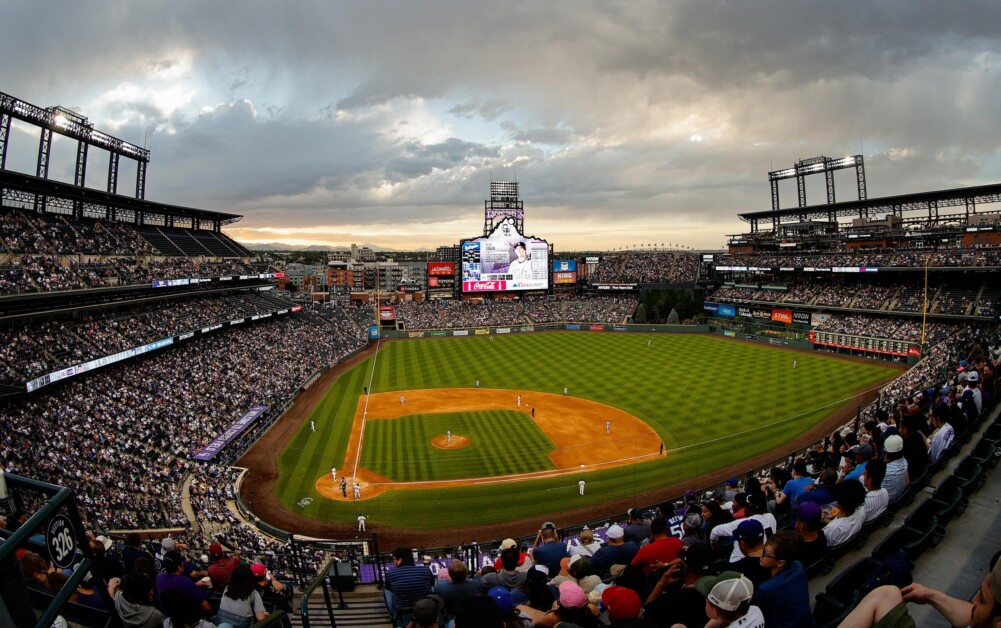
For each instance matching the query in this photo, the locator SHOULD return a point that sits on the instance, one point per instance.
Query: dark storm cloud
(394, 112)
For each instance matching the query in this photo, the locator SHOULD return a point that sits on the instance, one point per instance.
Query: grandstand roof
(18, 189)
(930, 202)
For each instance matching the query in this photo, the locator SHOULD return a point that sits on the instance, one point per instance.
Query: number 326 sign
(60, 541)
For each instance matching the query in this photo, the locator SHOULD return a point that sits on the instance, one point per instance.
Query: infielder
(357, 489)
(312, 425)
(449, 433)
(477, 383)
(333, 473)
(519, 401)
(361, 523)
(402, 399)
(794, 363)
(581, 486)
(564, 391)
(608, 427)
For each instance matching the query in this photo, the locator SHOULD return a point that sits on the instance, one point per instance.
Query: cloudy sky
(627, 122)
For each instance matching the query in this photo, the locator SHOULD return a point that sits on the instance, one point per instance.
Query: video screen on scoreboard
(505, 260)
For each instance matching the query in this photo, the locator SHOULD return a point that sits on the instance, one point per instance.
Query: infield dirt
(568, 421)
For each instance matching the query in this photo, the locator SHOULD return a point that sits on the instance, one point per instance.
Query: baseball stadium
(490, 410)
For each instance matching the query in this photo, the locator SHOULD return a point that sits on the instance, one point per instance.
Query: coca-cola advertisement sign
(439, 269)
(483, 286)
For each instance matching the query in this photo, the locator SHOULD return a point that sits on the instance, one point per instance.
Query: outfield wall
(520, 329)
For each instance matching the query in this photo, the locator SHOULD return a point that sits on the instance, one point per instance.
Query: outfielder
(361, 523)
(581, 486)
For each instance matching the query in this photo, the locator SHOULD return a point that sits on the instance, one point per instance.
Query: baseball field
(459, 432)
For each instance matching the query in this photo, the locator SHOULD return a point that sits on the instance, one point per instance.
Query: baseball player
(608, 427)
(312, 425)
(564, 391)
(581, 486)
(361, 523)
(519, 401)
(333, 473)
(357, 489)
(402, 399)
(449, 433)
(344, 487)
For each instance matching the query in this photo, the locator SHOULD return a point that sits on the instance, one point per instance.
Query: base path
(576, 426)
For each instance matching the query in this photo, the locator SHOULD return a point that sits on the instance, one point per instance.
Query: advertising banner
(441, 282)
(387, 313)
(596, 328)
(765, 314)
(503, 330)
(564, 278)
(616, 286)
(482, 332)
(460, 332)
(727, 310)
(505, 260)
(782, 316)
(231, 432)
(373, 332)
(441, 269)
(592, 260)
(744, 311)
(817, 319)
(565, 266)
(801, 318)
(573, 326)
(416, 334)
(712, 308)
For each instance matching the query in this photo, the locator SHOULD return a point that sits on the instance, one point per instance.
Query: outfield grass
(714, 401)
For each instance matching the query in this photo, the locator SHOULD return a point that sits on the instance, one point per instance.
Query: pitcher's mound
(458, 442)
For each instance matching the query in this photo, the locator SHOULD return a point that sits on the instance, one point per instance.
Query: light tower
(503, 203)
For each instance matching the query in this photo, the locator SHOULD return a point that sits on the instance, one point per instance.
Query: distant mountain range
(281, 246)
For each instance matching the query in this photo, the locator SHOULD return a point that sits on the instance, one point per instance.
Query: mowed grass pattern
(502, 442)
(713, 400)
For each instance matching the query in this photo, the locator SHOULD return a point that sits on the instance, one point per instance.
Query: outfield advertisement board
(727, 310)
(387, 313)
(782, 316)
(801, 318)
(505, 260)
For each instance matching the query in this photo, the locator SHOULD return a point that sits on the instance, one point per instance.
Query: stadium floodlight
(60, 121)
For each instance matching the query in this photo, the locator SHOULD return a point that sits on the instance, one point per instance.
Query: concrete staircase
(365, 607)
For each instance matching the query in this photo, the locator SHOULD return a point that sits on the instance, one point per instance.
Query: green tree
(640, 315)
(672, 318)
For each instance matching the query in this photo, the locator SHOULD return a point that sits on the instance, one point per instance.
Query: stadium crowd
(48, 273)
(61, 235)
(130, 430)
(459, 314)
(916, 258)
(901, 296)
(640, 267)
(41, 347)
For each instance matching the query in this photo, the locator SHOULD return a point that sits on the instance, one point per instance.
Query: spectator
(896, 480)
(767, 520)
(509, 576)
(674, 599)
(221, 569)
(877, 499)
(846, 520)
(134, 602)
(172, 578)
(617, 552)
(548, 549)
(809, 523)
(728, 600)
(784, 598)
(661, 550)
(241, 604)
(458, 586)
(638, 529)
(588, 545)
(578, 569)
(887, 605)
(570, 608)
(750, 537)
(405, 584)
(179, 611)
